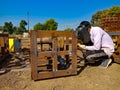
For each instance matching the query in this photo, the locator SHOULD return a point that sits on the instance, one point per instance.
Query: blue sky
(68, 13)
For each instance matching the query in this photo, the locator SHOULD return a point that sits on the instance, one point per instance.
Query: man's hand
(81, 46)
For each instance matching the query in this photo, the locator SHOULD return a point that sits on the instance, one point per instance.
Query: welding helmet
(83, 34)
(84, 24)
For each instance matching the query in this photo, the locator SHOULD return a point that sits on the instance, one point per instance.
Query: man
(98, 45)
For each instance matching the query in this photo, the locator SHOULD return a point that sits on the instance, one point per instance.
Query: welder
(96, 43)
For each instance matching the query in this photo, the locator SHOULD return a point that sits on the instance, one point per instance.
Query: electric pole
(28, 20)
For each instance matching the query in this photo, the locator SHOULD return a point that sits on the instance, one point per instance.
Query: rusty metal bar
(114, 33)
(33, 54)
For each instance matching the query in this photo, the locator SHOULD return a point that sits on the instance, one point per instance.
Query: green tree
(114, 11)
(15, 28)
(22, 28)
(50, 25)
(38, 26)
(8, 27)
(1, 28)
(95, 18)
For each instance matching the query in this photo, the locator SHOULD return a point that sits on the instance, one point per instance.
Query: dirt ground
(91, 78)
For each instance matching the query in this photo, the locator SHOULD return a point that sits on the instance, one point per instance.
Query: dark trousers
(94, 56)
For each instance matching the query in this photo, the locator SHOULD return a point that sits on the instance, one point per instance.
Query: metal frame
(4, 43)
(44, 63)
(3, 46)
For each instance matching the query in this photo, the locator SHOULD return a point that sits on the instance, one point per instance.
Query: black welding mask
(83, 34)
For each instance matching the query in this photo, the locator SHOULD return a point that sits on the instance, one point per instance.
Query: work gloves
(81, 46)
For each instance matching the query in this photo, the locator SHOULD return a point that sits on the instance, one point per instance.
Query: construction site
(32, 62)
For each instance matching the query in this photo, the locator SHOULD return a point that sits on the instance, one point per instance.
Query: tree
(8, 27)
(113, 11)
(50, 25)
(21, 28)
(38, 26)
(95, 18)
(15, 28)
(1, 28)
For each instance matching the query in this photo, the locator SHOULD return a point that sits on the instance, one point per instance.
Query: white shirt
(101, 41)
